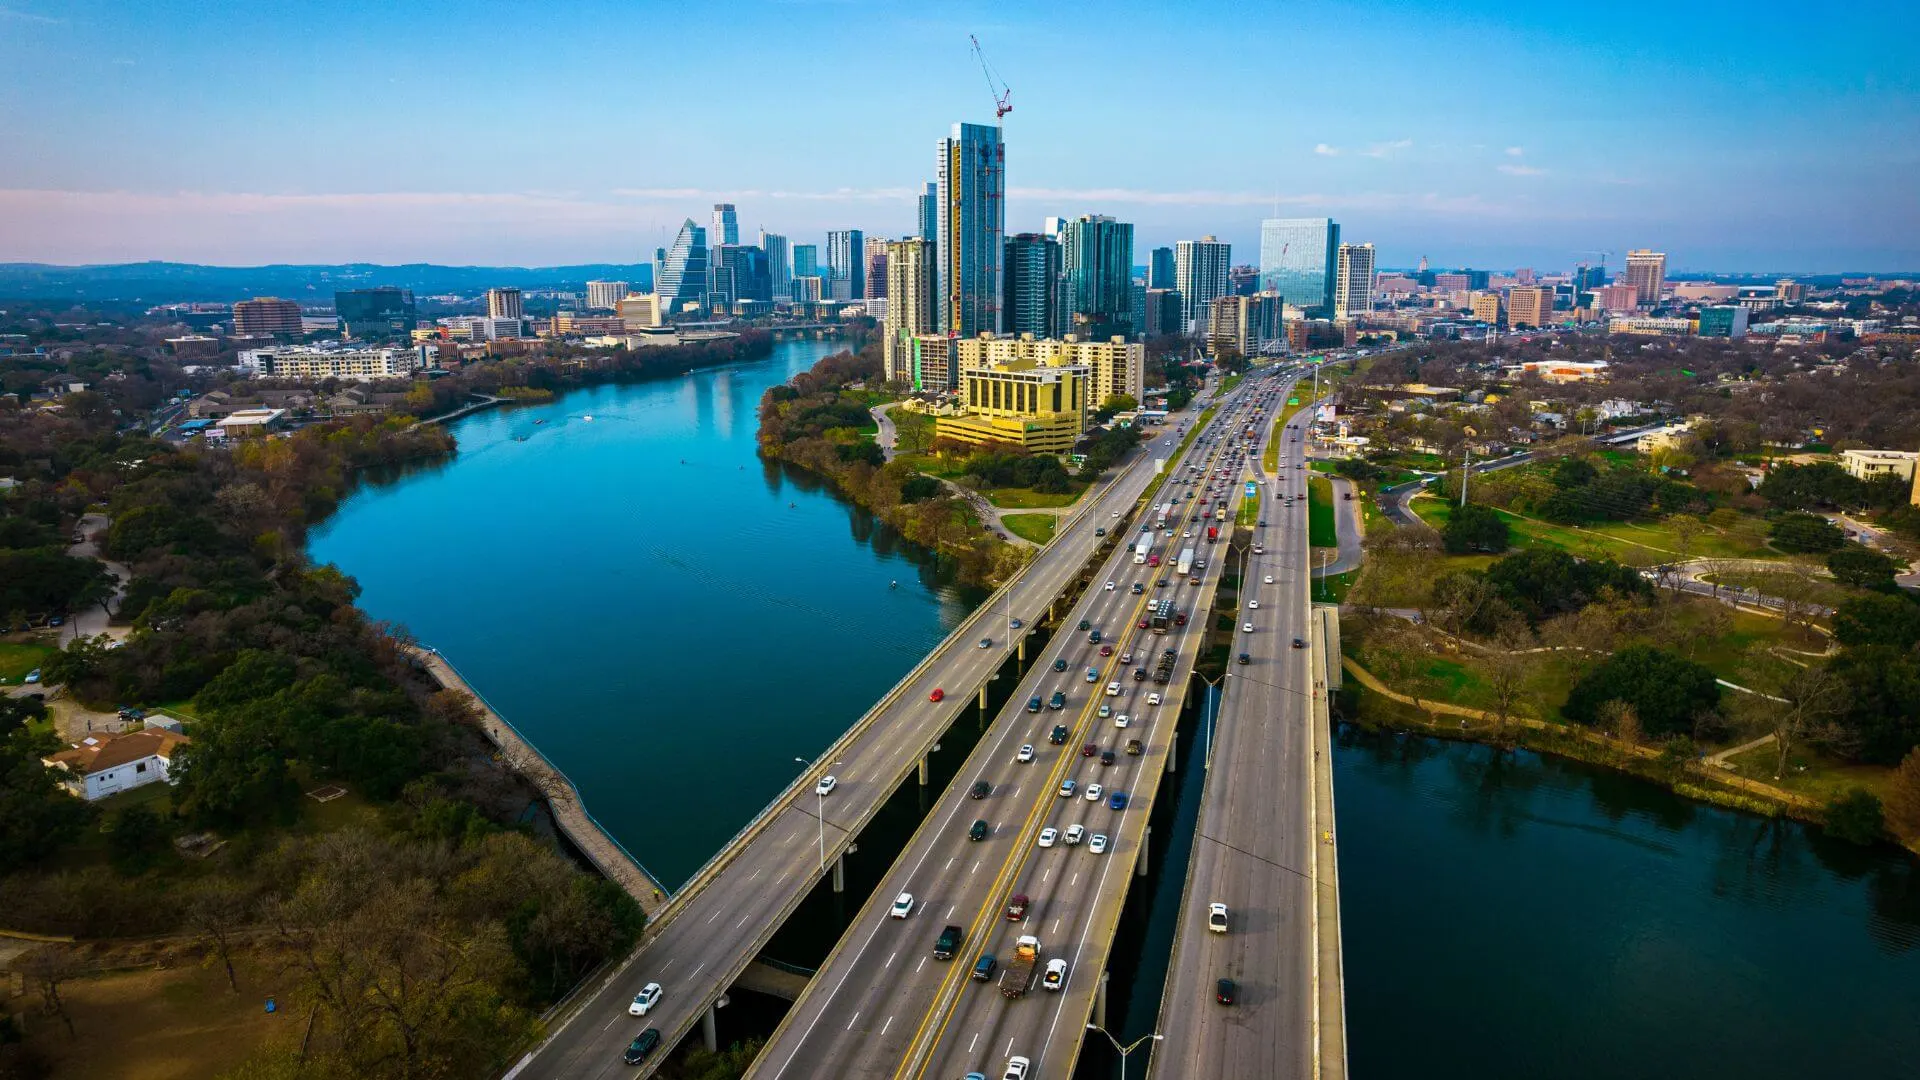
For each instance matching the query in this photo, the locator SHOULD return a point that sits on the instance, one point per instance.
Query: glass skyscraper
(1298, 260)
(779, 270)
(683, 269)
(806, 260)
(1032, 304)
(1200, 277)
(847, 263)
(1160, 270)
(726, 224)
(930, 213)
(375, 314)
(1097, 259)
(972, 177)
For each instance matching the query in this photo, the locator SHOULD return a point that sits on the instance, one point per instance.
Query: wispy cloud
(1520, 170)
(1326, 151)
(27, 16)
(1386, 149)
(1514, 151)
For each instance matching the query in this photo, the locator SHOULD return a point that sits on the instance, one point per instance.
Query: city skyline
(1554, 150)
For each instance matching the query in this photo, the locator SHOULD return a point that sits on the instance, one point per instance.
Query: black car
(1139, 674)
(1060, 664)
(640, 1047)
(983, 970)
(981, 789)
(1245, 659)
(1057, 701)
(1224, 991)
(1058, 735)
(1299, 643)
(1033, 704)
(979, 831)
(1084, 624)
(1106, 757)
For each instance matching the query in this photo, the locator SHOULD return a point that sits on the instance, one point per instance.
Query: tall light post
(820, 812)
(1213, 716)
(1123, 1051)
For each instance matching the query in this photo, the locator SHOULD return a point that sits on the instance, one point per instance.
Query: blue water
(671, 635)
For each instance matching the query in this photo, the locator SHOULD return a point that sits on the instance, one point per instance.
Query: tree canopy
(1667, 692)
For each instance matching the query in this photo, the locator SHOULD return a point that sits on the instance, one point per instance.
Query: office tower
(1530, 305)
(806, 260)
(605, 295)
(1723, 320)
(1617, 297)
(972, 178)
(1096, 255)
(1160, 270)
(726, 224)
(1035, 289)
(740, 272)
(810, 288)
(1486, 308)
(1297, 257)
(1790, 292)
(1586, 279)
(846, 264)
(910, 302)
(1163, 312)
(875, 256)
(779, 270)
(1647, 273)
(930, 213)
(682, 277)
(371, 314)
(266, 315)
(504, 304)
(1199, 276)
(1244, 323)
(1353, 281)
(1478, 280)
(1243, 280)
(1524, 275)
(1137, 306)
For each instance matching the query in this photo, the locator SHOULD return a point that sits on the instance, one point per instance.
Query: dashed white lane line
(856, 1016)
(890, 959)
(976, 867)
(918, 966)
(950, 911)
(975, 1042)
(885, 1026)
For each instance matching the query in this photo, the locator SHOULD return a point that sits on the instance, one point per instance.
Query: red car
(1106, 650)
(1143, 624)
(937, 694)
(1017, 907)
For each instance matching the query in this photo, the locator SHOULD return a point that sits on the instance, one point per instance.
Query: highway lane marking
(950, 910)
(696, 971)
(743, 921)
(665, 966)
(974, 1043)
(713, 916)
(976, 867)
(612, 1022)
(950, 863)
(1055, 928)
(890, 959)
(1075, 881)
(918, 966)
(856, 1016)
(885, 1026)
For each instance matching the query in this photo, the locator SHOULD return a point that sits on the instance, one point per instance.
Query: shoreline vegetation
(340, 826)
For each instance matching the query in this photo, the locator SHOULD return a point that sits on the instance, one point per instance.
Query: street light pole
(820, 811)
(1213, 715)
(1123, 1051)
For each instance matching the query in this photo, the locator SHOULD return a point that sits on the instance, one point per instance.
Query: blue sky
(1734, 136)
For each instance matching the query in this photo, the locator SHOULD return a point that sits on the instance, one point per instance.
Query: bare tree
(1686, 531)
(1797, 703)
(1508, 668)
(1623, 720)
(217, 911)
(46, 968)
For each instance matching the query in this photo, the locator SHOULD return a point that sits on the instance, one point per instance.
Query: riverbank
(1686, 776)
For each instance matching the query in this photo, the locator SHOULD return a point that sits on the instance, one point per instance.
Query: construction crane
(1002, 93)
(1603, 256)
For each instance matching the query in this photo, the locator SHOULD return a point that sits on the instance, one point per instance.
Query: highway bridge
(714, 926)
(882, 1006)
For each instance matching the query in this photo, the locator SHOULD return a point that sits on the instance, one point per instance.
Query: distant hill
(169, 283)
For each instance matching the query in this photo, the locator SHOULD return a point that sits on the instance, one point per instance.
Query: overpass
(1263, 843)
(881, 1005)
(714, 926)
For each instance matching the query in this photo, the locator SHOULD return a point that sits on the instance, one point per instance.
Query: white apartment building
(330, 360)
(1114, 366)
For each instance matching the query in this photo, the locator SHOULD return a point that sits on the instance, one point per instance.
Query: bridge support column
(983, 698)
(710, 1028)
(924, 760)
(1020, 649)
(1140, 859)
(840, 874)
(1100, 1002)
(1173, 752)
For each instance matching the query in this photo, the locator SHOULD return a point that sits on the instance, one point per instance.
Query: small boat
(542, 420)
(588, 418)
(893, 584)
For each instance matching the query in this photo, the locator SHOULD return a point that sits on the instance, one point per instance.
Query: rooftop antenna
(1002, 93)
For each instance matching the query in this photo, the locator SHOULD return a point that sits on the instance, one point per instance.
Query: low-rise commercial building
(330, 360)
(1648, 326)
(1873, 464)
(1037, 407)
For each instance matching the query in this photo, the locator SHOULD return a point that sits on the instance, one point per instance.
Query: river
(673, 621)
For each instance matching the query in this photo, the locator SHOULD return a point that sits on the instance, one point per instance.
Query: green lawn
(1631, 543)
(19, 657)
(1028, 499)
(1810, 772)
(1320, 527)
(1303, 392)
(1227, 384)
(1333, 590)
(1037, 528)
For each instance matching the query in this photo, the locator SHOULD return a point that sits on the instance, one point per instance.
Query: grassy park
(1036, 528)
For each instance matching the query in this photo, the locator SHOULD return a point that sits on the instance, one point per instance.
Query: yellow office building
(1039, 408)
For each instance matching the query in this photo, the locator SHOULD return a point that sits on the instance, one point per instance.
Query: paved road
(1346, 524)
(881, 1002)
(1253, 848)
(719, 921)
(92, 622)
(887, 437)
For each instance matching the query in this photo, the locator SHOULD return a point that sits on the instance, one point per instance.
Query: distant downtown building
(376, 314)
(330, 360)
(874, 256)
(1160, 269)
(739, 272)
(1244, 323)
(1162, 312)
(266, 315)
(1486, 307)
(1096, 256)
(1647, 273)
(971, 174)
(726, 224)
(1199, 276)
(1529, 305)
(846, 264)
(779, 268)
(1113, 366)
(1724, 320)
(1035, 288)
(930, 213)
(1353, 281)
(1297, 260)
(806, 260)
(682, 275)
(605, 295)
(504, 304)
(910, 306)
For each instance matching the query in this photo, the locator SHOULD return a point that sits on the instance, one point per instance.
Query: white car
(645, 1000)
(1126, 658)
(1113, 688)
(1122, 720)
(1189, 534)
(1094, 791)
(1109, 586)
(1106, 711)
(1269, 579)
(1025, 756)
(1075, 833)
(1066, 789)
(1016, 1069)
(1217, 917)
(1056, 976)
(825, 786)
(1253, 605)
(1247, 627)
(1048, 835)
(1153, 699)
(1097, 843)
(902, 906)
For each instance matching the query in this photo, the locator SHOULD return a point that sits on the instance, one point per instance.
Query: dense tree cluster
(1475, 528)
(1824, 485)
(1667, 692)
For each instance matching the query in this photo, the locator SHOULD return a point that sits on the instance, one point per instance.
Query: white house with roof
(103, 765)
